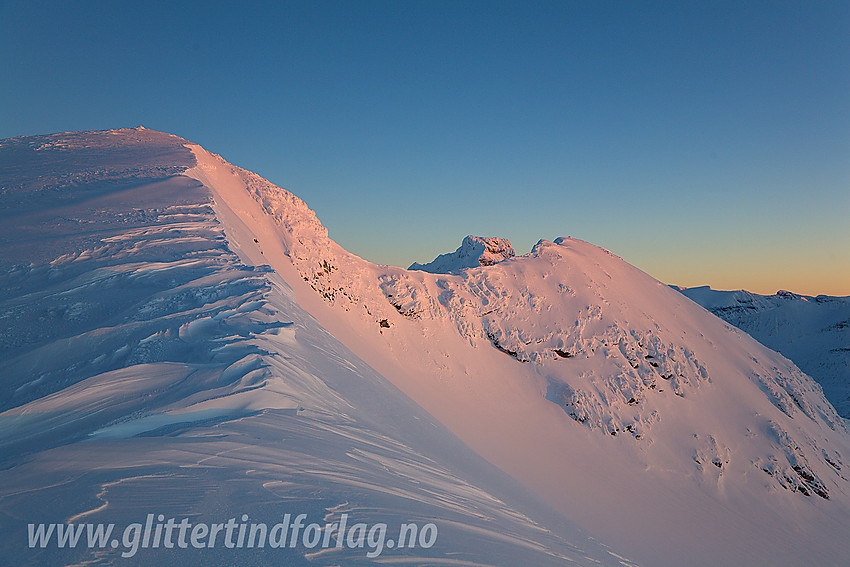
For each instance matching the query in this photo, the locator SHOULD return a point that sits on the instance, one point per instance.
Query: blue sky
(705, 142)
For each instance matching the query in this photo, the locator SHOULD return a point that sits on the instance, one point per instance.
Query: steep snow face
(605, 391)
(814, 332)
(227, 355)
(619, 351)
(474, 251)
(152, 366)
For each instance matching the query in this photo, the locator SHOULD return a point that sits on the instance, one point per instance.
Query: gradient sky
(704, 142)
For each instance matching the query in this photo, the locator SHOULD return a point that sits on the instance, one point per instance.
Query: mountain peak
(161, 297)
(474, 251)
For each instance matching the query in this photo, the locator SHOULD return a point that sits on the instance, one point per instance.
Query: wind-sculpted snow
(695, 406)
(527, 310)
(182, 337)
(548, 308)
(36, 171)
(148, 369)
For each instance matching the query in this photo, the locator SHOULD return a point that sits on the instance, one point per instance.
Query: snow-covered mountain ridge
(148, 369)
(636, 415)
(496, 304)
(594, 337)
(639, 357)
(813, 331)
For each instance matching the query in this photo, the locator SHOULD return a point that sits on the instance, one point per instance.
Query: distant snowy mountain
(814, 332)
(474, 251)
(182, 337)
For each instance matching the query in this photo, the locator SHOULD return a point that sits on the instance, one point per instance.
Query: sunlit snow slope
(628, 407)
(268, 368)
(151, 367)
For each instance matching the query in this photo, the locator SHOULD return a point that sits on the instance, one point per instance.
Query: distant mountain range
(814, 332)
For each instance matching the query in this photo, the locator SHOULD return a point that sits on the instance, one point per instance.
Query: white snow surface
(813, 331)
(180, 335)
(154, 362)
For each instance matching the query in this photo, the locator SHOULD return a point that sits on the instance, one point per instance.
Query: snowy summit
(474, 251)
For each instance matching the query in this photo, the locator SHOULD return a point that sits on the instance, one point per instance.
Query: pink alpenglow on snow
(182, 335)
(474, 251)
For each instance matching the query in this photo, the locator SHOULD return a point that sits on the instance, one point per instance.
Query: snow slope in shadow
(149, 369)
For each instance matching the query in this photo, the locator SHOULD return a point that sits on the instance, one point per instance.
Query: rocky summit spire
(475, 251)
